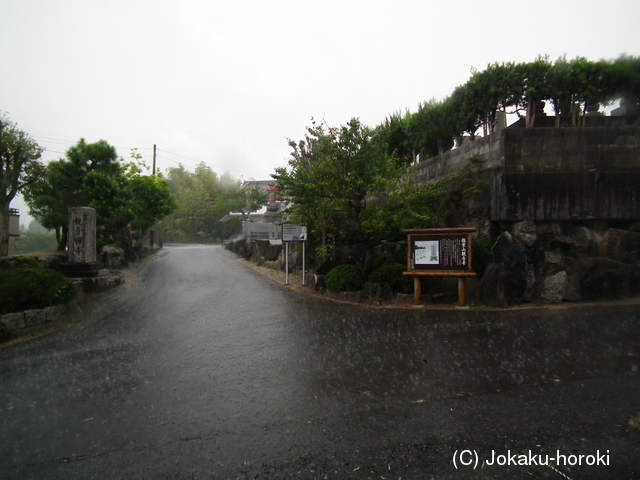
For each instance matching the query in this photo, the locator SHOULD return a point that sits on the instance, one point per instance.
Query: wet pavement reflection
(203, 365)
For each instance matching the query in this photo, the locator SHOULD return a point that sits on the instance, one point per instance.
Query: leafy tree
(19, 168)
(91, 174)
(395, 132)
(344, 183)
(624, 75)
(88, 176)
(533, 86)
(149, 198)
(431, 131)
(150, 201)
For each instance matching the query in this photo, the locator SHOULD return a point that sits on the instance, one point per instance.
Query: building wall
(551, 174)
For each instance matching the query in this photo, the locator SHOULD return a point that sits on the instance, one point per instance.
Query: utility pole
(152, 230)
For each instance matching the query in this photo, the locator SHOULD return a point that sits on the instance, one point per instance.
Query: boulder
(585, 240)
(5, 333)
(555, 253)
(13, 321)
(319, 282)
(34, 318)
(113, 258)
(491, 287)
(517, 273)
(525, 233)
(553, 288)
(600, 278)
(621, 245)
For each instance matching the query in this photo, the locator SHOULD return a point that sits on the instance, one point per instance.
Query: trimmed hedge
(28, 288)
(344, 278)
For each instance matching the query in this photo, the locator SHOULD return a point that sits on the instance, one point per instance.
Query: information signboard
(439, 250)
(294, 232)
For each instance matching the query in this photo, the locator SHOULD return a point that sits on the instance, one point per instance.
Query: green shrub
(25, 262)
(28, 288)
(392, 274)
(381, 259)
(344, 278)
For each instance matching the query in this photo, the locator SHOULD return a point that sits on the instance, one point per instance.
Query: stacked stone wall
(561, 209)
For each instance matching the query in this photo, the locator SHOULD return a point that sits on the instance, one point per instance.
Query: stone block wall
(436, 168)
(552, 174)
(562, 210)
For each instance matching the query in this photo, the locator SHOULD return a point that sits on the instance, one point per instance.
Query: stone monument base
(83, 270)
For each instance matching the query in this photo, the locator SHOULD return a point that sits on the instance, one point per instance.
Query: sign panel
(439, 250)
(294, 232)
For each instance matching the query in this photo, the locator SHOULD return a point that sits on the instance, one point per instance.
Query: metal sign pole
(286, 263)
(304, 278)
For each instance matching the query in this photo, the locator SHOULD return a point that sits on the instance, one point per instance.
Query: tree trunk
(530, 119)
(367, 266)
(4, 230)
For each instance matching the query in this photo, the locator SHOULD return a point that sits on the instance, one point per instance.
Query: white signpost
(294, 232)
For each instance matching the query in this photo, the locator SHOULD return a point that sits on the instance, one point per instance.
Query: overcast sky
(227, 82)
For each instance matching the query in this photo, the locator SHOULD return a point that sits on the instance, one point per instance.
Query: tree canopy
(571, 87)
(344, 182)
(20, 166)
(92, 175)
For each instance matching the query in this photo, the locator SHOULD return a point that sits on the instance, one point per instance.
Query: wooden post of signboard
(462, 291)
(439, 252)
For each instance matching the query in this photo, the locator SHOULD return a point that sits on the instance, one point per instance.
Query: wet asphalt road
(204, 369)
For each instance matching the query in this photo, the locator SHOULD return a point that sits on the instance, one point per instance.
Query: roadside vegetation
(352, 185)
(571, 87)
(92, 174)
(25, 285)
(203, 198)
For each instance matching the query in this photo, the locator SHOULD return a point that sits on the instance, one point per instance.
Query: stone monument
(82, 250)
(82, 235)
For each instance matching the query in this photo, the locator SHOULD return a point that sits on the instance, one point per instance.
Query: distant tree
(36, 238)
(203, 199)
(19, 167)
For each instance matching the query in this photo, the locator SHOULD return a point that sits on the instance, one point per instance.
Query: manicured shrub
(344, 278)
(29, 288)
(25, 262)
(392, 274)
